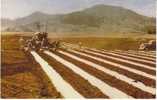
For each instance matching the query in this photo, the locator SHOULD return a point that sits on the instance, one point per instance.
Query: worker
(21, 42)
(44, 43)
(80, 45)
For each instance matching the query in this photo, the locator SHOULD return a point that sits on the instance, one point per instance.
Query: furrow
(142, 61)
(76, 81)
(134, 56)
(113, 76)
(131, 73)
(105, 88)
(116, 57)
(61, 85)
(140, 53)
(105, 58)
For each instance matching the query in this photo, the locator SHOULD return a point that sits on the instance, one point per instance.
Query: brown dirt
(135, 56)
(152, 72)
(139, 54)
(145, 80)
(21, 85)
(21, 76)
(76, 81)
(114, 82)
(47, 90)
(149, 64)
(107, 43)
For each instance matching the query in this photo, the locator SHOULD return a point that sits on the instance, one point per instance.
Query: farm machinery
(39, 42)
(150, 45)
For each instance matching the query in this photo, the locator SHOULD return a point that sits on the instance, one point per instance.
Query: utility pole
(38, 26)
(46, 27)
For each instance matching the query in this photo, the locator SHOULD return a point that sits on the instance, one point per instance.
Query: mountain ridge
(99, 18)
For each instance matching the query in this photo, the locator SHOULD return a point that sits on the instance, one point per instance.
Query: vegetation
(97, 19)
(150, 29)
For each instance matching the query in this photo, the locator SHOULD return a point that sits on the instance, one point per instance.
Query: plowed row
(92, 74)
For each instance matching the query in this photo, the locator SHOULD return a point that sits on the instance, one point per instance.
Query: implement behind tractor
(150, 45)
(39, 42)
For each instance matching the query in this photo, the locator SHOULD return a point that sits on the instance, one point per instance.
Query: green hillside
(99, 19)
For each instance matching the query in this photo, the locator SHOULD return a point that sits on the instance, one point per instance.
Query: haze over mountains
(97, 19)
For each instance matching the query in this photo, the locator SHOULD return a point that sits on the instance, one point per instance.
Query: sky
(19, 8)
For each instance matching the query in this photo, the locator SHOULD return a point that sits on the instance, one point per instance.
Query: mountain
(5, 23)
(96, 19)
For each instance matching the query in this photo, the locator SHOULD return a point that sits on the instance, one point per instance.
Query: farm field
(92, 72)
(21, 77)
(78, 49)
(129, 41)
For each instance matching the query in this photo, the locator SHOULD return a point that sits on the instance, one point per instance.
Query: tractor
(39, 42)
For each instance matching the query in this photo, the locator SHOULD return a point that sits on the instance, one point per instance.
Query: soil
(76, 81)
(152, 72)
(21, 76)
(147, 81)
(135, 57)
(112, 81)
(146, 63)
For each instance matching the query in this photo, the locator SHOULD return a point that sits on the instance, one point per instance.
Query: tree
(150, 29)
